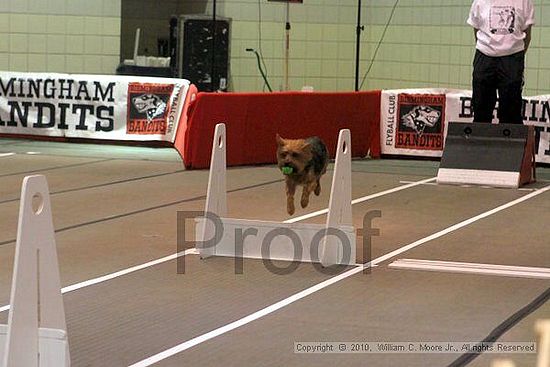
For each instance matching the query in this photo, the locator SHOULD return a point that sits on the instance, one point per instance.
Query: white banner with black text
(414, 121)
(112, 107)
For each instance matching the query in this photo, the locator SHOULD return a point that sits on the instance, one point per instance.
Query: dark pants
(505, 75)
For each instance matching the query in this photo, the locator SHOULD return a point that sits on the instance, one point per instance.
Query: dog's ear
(280, 141)
(306, 147)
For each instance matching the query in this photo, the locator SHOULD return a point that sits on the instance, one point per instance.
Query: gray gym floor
(115, 208)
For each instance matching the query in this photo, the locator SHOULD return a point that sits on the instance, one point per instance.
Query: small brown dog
(303, 162)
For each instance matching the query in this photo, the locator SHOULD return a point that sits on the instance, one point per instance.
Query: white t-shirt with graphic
(501, 25)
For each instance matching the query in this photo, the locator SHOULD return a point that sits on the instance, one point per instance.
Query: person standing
(502, 30)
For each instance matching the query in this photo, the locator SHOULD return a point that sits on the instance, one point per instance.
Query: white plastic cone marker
(274, 240)
(339, 209)
(36, 331)
(216, 199)
(542, 328)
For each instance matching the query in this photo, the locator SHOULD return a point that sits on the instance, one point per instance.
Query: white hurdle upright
(542, 328)
(36, 331)
(329, 244)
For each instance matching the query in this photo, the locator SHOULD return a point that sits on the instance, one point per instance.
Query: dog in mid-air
(302, 162)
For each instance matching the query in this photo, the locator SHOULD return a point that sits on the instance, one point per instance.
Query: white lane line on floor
(297, 296)
(364, 198)
(194, 251)
(483, 187)
(472, 268)
(464, 223)
(120, 273)
(245, 320)
(2, 155)
(426, 183)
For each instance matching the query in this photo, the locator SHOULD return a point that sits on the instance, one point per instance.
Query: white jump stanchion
(258, 239)
(542, 328)
(216, 197)
(339, 209)
(36, 331)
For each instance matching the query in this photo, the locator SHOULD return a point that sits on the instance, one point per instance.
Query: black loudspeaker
(500, 155)
(201, 51)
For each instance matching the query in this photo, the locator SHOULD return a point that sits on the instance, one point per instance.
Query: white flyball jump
(542, 328)
(36, 333)
(330, 244)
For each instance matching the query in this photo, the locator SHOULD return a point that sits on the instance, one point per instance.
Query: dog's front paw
(290, 209)
(304, 201)
(317, 190)
(290, 205)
